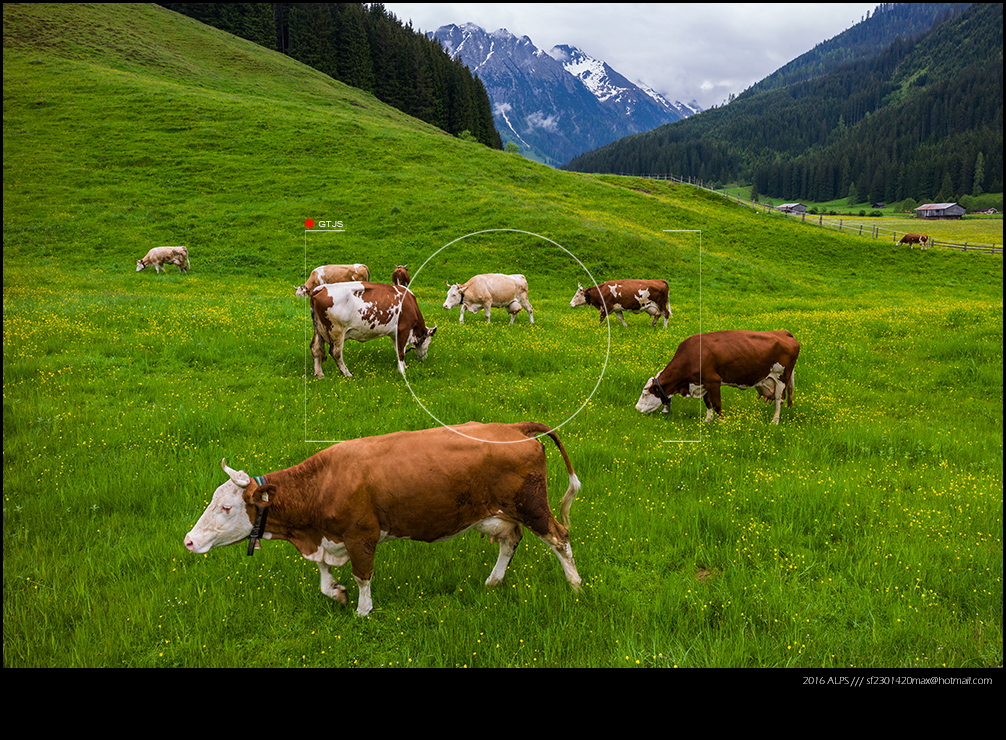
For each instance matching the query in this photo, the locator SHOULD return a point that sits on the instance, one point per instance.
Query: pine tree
(976, 189)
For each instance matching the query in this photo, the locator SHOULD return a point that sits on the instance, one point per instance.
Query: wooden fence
(843, 224)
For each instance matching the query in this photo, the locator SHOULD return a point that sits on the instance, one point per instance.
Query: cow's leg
(527, 307)
(621, 318)
(365, 605)
(318, 352)
(713, 401)
(508, 542)
(557, 538)
(539, 519)
(336, 352)
(331, 587)
(780, 388)
(401, 345)
(360, 549)
(488, 308)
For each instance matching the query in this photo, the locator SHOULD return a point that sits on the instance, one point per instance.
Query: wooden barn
(939, 210)
(792, 208)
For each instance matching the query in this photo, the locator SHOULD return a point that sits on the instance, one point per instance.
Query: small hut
(792, 208)
(939, 210)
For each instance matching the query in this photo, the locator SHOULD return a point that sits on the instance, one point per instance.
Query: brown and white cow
(328, 274)
(401, 276)
(429, 485)
(159, 256)
(490, 291)
(763, 360)
(615, 296)
(912, 239)
(363, 311)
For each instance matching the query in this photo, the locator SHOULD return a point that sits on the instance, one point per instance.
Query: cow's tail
(533, 429)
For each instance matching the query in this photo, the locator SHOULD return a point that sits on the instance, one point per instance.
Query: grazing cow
(912, 239)
(763, 360)
(328, 274)
(159, 256)
(429, 485)
(401, 276)
(615, 296)
(363, 311)
(490, 291)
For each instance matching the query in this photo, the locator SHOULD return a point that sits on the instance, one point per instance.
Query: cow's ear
(262, 496)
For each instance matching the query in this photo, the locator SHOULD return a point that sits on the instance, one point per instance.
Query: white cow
(490, 291)
(165, 256)
(328, 274)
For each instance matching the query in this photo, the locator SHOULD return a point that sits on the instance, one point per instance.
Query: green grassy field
(863, 531)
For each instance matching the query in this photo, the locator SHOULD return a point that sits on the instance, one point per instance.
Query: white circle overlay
(607, 323)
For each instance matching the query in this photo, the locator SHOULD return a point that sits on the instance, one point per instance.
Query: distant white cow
(328, 274)
(490, 291)
(159, 256)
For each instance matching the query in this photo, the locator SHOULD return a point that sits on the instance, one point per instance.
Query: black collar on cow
(260, 519)
(661, 394)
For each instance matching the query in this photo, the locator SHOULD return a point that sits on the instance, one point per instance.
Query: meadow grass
(865, 530)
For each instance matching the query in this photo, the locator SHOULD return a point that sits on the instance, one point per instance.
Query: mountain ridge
(558, 103)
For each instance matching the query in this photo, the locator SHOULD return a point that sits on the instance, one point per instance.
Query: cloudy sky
(702, 52)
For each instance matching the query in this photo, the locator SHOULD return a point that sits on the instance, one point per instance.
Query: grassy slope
(126, 127)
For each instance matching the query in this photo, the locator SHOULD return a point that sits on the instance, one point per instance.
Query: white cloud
(538, 119)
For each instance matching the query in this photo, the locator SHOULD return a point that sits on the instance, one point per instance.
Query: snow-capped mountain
(555, 104)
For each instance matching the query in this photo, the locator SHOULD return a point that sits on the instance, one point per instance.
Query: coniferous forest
(367, 47)
(922, 120)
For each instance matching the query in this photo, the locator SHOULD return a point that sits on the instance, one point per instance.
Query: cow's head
(772, 386)
(229, 517)
(580, 298)
(454, 296)
(140, 265)
(652, 398)
(300, 290)
(422, 343)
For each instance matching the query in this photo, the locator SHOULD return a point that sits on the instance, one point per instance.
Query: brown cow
(615, 296)
(363, 311)
(165, 256)
(743, 359)
(912, 239)
(401, 276)
(328, 274)
(429, 485)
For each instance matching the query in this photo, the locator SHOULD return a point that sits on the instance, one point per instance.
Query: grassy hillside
(866, 529)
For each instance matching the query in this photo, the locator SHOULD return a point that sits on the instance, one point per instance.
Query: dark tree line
(367, 47)
(864, 40)
(911, 122)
